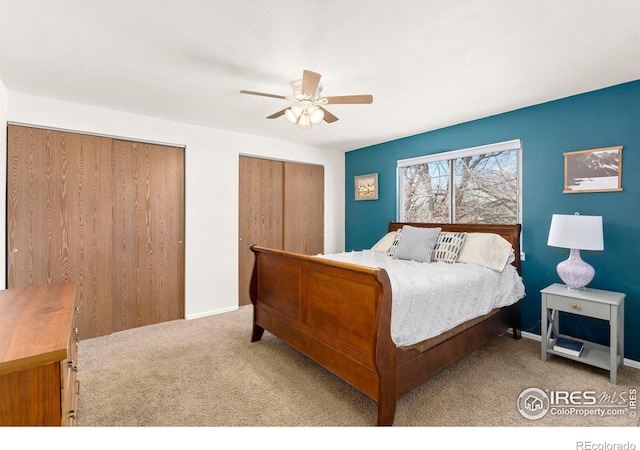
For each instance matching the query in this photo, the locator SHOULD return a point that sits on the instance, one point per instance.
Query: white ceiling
(428, 64)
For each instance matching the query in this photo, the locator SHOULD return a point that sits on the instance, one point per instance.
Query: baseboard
(627, 362)
(210, 313)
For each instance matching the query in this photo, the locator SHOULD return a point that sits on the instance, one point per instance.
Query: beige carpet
(206, 373)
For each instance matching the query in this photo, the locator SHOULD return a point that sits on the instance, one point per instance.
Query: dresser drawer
(70, 401)
(579, 306)
(70, 405)
(69, 384)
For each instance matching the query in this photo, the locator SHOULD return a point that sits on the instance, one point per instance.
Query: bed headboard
(510, 232)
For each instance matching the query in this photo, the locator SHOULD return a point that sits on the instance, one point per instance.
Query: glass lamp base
(574, 272)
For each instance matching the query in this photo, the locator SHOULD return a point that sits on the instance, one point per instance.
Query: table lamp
(576, 233)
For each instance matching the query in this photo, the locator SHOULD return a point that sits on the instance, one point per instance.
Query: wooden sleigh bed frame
(339, 315)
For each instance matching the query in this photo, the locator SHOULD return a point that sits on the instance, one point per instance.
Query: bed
(340, 315)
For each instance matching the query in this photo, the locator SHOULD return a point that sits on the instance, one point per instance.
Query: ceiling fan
(307, 107)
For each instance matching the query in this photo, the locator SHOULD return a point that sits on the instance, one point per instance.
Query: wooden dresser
(38, 356)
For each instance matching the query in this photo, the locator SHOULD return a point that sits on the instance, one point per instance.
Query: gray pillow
(416, 244)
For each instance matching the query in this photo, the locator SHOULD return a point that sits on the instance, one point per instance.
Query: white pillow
(384, 244)
(448, 246)
(416, 244)
(486, 249)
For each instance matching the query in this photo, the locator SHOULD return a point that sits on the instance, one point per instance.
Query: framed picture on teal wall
(597, 170)
(366, 187)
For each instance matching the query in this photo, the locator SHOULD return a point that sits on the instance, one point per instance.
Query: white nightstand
(596, 303)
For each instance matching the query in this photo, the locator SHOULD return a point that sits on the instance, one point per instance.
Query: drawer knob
(575, 306)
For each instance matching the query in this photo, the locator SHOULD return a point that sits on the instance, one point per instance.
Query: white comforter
(431, 298)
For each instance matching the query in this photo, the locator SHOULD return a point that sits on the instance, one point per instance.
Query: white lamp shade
(316, 115)
(293, 114)
(576, 232)
(304, 121)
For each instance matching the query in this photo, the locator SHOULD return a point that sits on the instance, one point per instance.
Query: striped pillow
(448, 247)
(417, 244)
(394, 244)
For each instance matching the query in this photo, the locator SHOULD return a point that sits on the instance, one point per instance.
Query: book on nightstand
(568, 346)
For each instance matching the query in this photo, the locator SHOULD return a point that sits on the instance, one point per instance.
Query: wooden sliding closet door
(303, 208)
(148, 222)
(260, 213)
(105, 214)
(59, 217)
(281, 206)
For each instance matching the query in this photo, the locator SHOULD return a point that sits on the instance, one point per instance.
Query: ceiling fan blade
(328, 117)
(262, 94)
(310, 81)
(349, 99)
(276, 115)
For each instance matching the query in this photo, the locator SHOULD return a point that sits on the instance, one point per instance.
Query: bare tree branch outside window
(485, 189)
(426, 192)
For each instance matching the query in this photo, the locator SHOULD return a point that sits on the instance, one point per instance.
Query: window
(474, 185)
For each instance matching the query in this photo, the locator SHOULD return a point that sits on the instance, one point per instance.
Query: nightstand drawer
(579, 306)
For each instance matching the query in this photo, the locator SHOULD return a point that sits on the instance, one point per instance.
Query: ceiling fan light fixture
(304, 116)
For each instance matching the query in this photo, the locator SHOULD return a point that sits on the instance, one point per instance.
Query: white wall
(211, 164)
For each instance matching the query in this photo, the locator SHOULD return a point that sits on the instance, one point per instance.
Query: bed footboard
(337, 314)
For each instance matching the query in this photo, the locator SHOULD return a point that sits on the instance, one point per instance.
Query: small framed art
(597, 170)
(366, 187)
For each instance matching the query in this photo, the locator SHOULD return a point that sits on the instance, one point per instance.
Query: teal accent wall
(603, 118)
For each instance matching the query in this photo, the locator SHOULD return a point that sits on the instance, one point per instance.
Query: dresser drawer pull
(576, 306)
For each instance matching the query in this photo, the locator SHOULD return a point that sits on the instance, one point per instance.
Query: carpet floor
(206, 373)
